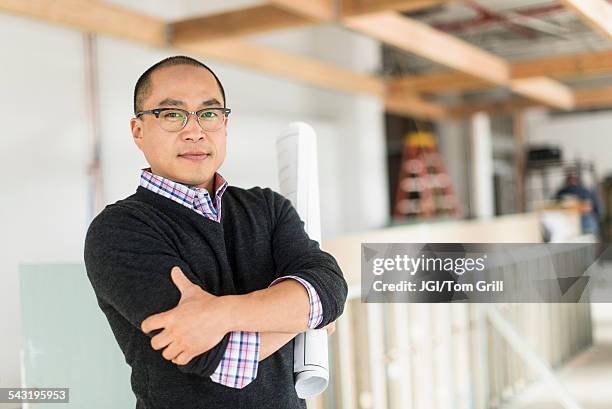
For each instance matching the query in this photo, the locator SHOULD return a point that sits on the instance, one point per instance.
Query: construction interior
(437, 121)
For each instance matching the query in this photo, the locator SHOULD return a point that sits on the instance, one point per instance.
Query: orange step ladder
(424, 188)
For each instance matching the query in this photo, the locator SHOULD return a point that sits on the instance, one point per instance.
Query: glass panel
(67, 340)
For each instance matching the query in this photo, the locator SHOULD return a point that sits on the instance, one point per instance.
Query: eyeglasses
(175, 119)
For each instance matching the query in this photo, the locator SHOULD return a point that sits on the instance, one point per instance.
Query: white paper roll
(310, 363)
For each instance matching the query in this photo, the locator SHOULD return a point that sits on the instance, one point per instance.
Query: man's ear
(137, 131)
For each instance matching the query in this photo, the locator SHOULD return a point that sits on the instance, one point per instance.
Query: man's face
(572, 179)
(191, 88)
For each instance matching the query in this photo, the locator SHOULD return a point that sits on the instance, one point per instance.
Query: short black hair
(143, 86)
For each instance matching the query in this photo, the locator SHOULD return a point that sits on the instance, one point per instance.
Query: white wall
(44, 154)
(43, 160)
(584, 136)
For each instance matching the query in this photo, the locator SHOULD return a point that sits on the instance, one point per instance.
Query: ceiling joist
(257, 19)
(317, 10)
(562, 67)
(94, 16)
(586, 98)
(414, 106)
(274, 62)
(600, 97)
(595, 13)
(357, 7)
(544, 90)
(567, 66)
(476, 68)
(413, 36)
(438, 83)
(260, 18)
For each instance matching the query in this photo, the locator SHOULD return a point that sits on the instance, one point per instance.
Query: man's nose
(192, 129)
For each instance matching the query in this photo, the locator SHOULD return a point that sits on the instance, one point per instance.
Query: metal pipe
(94, 170)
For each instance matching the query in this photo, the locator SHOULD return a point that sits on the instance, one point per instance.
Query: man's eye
(209, 115)
(173, 115)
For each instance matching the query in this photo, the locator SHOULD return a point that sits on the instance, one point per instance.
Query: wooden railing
(446, 356)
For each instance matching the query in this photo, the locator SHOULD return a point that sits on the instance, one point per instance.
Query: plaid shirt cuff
(316, 309)
(238, 366)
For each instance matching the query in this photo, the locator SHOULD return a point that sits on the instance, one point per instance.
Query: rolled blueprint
(310, 363)
(299, 182)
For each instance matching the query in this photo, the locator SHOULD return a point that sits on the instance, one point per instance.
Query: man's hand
(194, 326)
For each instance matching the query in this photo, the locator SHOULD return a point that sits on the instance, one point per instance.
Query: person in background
(589, 207)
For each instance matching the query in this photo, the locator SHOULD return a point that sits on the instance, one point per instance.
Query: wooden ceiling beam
(94, 16)
(317, 10)
(585, 98)
(567, 66)
(595, 13)
(561, 67)
(418, 38)
(289, 66)
(358, 7)
(600, 97)
(436, 83)
(413, 36)
(506, 106)
(260, 18)
(545, 90)
(415, 106)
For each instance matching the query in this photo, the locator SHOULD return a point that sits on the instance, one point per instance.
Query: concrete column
(481, 175)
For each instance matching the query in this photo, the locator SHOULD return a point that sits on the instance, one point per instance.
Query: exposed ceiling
(518, 52)
(511, 29)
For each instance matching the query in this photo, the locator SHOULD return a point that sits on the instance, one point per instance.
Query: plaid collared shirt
(238, 366)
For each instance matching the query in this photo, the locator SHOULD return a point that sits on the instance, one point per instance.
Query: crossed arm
(200, 320)
(187, 333)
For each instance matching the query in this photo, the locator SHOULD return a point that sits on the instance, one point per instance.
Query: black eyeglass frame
(158, 111)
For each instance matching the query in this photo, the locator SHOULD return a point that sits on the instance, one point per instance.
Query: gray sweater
(130, 249)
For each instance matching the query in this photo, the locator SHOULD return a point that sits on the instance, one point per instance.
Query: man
(588, 200)
(203, 283)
